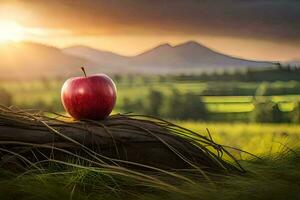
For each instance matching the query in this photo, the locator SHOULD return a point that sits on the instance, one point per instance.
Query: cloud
(274, 20)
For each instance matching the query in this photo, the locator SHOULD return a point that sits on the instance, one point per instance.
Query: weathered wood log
(128, 140)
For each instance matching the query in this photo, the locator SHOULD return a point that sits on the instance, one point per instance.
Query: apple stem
(82, 68)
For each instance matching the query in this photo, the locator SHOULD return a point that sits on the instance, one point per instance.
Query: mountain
(32, 60)
(101, 61)
(191, 55)
(94, 55)
(187, 57)
(24, 60)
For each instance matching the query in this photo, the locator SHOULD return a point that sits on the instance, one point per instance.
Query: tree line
(190, 106)
(186, 106)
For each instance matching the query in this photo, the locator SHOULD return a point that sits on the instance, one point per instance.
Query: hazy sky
(257, 29)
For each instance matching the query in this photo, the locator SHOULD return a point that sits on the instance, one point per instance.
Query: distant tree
(146, 80)
(185, 106)
(155, 101)
(296, 113)
(267, 112)
(135, 106)
(117, 78)
(193, 107)
(173, 107)
(262, 89)
(278, 65)
(130, 80)
(277, 115)
(127, 105)
(162, 78)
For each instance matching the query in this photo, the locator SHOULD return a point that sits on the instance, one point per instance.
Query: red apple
(89, 97)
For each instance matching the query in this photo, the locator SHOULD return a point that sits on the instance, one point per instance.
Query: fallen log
(133, 141)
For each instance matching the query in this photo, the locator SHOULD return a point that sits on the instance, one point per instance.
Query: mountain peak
(190, 55)
(192, 44)
(163, 46)
(158, 49)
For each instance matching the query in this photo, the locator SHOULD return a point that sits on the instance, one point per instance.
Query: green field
(275, 176)
(260, 139)
(257, 138)
(47, 93)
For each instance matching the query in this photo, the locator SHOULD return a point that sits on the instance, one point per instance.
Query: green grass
(276, 176)
(273, 177)
(31, 93)
(228, 99)
(259, 139)
(230, 107)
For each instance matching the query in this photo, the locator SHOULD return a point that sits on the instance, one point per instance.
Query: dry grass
(36, 140)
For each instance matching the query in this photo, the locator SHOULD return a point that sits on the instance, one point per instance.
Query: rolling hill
(30, 60)
(24, 60)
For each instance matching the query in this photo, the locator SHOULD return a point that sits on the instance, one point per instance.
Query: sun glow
(11, 31)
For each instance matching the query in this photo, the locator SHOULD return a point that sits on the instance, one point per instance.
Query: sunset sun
(11, 31)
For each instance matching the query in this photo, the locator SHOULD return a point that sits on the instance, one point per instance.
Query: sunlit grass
(230, 107)
(287, 106)
(259, 139)
(282, 98)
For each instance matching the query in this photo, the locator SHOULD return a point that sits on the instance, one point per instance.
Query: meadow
(258, 138)
(46, 94)
(271, 174)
